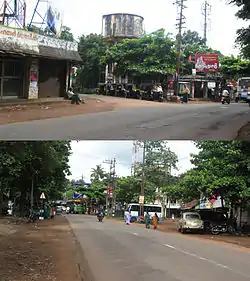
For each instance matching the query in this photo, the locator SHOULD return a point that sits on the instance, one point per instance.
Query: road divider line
(169, 246)
(198, 257)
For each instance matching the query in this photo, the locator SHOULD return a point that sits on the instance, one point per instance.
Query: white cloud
(87, 154)
(86, 17)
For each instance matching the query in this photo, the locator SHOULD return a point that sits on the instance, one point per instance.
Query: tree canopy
(45, 163)
(243, 38)
(91, 48)
(152, 54)
(221, 168)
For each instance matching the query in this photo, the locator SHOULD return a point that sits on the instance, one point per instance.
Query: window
(135, 208)
(9, 68)
(192, 216)
(152, 209)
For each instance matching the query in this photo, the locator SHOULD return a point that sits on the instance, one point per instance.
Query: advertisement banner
(54, 21)
(18, 40)
(207, 63)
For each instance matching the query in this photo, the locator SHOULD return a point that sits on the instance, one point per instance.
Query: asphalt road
(155, 122)
(115, 251)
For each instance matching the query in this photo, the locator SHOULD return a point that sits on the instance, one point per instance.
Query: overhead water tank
(120, 26)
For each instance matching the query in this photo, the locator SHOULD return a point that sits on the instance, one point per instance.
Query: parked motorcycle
(225, 100)
(33, 216)
(157, 93)
(216, 229)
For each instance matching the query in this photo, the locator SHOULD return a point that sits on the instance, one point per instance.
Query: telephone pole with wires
(112, 185)
(180, 25)
(206, 12)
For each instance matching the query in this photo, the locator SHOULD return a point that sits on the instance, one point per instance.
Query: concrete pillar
(33, 80)
(68, 72)
(106, 74)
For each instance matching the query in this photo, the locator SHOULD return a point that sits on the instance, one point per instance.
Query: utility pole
(206, 10)
(143, 177)
(112, 175)
(180, 25)
(114, 188)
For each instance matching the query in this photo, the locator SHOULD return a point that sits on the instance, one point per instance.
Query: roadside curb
(83, 269)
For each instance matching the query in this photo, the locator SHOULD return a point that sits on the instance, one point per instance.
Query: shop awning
(22, 42)
(60, 54)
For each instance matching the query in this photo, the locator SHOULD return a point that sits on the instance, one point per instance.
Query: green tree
(243, 38)
(91, 49)
(43, 164)
(66, 34)
(221, 167)
(159, 162)
(98, 174)
(192, 38)
(234, 67)
(152, 55)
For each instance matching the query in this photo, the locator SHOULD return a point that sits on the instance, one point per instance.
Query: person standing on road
(128, 218)
(185, 94)
(155, 220)
(147, 217)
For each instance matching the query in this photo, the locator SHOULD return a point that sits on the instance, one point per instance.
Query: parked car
(190, 221)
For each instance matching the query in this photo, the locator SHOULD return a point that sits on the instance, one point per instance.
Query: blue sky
(87, 154)
(86, 17)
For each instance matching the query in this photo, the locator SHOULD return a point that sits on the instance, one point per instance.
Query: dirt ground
(28, 112)
(244, 133)
(38, 252)
(170, 226)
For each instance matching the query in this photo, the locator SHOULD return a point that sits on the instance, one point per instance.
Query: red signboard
(207, 63)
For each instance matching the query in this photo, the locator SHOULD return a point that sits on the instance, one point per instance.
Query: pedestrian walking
(128, 218)
(147, 217)
(155, 221)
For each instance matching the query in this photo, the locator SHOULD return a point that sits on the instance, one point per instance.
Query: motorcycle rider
(100, 212)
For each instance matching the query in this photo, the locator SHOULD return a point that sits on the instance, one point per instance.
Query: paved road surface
(115, 251)
(157, 121)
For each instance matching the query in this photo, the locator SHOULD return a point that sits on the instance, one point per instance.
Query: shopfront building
(34, 66)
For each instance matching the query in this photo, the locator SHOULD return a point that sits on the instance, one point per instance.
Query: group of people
(155, 220)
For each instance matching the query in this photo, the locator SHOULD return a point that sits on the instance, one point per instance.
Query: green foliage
(44, 162)
(192, 38)
(234, 67)
(91, 49)
(159, 162)
(153, 55)
(66, 34)
(222, 167)
(243, 38)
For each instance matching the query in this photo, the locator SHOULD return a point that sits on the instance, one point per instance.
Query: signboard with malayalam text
(207, 63)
